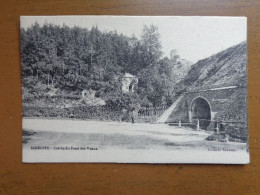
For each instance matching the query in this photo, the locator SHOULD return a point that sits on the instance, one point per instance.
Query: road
(121, 137)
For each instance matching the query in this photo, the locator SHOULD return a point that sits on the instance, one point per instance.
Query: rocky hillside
(181, 69)
(226, 68)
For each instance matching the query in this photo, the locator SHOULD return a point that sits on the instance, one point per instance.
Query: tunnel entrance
(200, 110)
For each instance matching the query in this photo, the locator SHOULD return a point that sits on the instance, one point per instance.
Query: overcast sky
(194, 38)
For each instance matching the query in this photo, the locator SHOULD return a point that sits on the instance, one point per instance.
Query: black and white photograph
(134, 89)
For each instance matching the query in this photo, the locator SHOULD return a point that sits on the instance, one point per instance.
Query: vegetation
(226, 68)
(68, 60)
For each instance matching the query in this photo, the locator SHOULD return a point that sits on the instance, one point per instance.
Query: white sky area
(194, 37)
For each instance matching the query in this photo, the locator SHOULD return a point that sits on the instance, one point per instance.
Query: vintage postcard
(134, 89)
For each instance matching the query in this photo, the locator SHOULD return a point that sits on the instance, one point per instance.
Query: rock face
(88, 97)
(181, 69)
(226, 68)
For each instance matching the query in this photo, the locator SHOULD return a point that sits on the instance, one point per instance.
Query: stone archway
(201, 110)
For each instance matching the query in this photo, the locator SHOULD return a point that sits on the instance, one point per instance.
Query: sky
(194, 38)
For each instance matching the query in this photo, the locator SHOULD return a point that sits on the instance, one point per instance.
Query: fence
(235, 130)
(153, 111)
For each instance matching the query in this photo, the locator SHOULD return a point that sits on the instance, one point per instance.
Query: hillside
(226, 68)
(181, 69)
(59, 63)
(226, 71)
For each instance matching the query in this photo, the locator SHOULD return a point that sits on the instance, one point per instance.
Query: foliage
(74, 59)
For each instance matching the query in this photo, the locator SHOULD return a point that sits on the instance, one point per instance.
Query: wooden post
(179, 122)
(198, 125)
(217, 129)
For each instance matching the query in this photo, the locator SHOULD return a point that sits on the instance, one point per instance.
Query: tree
(151, 45)
(73, 59)
(151, 77)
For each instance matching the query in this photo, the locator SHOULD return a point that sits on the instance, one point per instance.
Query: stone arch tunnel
(200, 110)
(226, 106)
